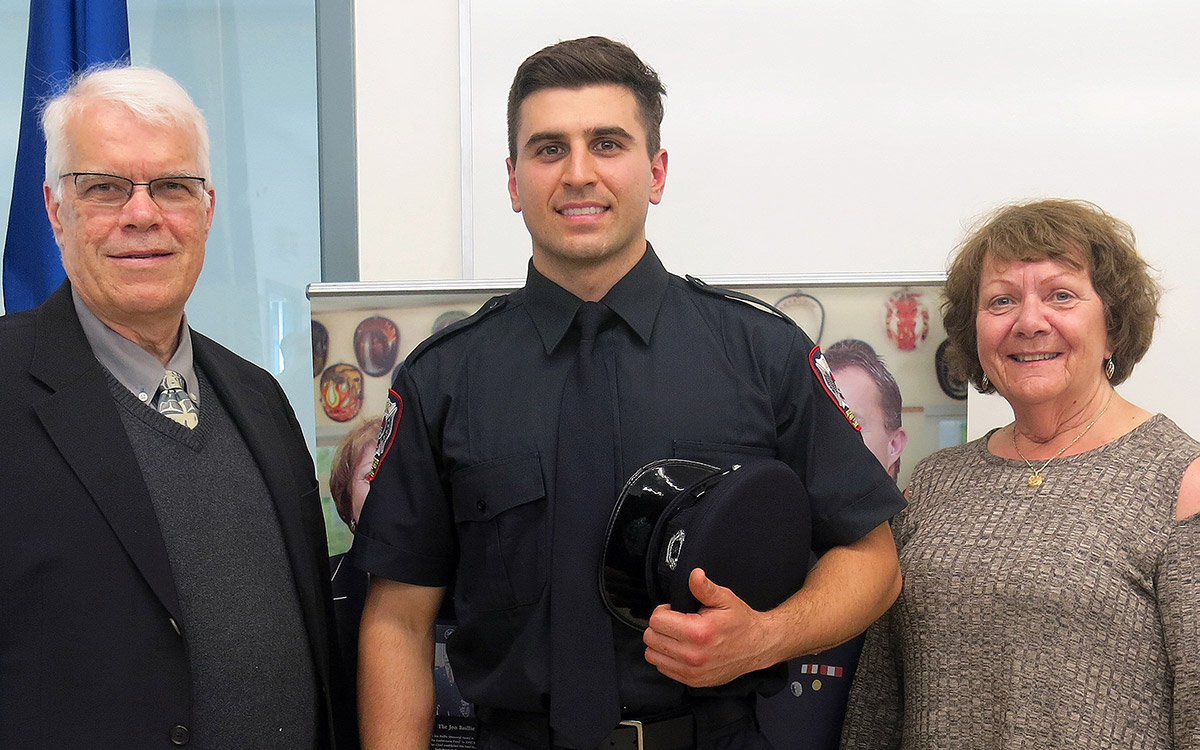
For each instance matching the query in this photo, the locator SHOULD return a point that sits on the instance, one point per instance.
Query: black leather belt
(671, 730)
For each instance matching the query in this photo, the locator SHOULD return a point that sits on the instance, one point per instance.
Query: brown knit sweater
(1062, 616)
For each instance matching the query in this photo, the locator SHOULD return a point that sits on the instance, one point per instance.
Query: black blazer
(89, 652)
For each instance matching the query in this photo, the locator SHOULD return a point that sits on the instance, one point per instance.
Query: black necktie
(584, 702)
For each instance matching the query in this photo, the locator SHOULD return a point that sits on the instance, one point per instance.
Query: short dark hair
(590, 61)
(349, 453)
(855, 353)
(1077, 234)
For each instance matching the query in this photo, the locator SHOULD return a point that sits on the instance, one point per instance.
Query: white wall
(407, 95)
(807, 137)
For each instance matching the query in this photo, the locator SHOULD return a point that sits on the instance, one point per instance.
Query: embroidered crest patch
(820, 368)
(387, 431)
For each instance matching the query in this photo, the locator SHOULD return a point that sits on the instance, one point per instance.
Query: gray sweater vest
(253, 682)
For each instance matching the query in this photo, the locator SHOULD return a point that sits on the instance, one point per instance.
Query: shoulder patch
(495, 304)
(717, 291)
(387, 431)
(820, 368)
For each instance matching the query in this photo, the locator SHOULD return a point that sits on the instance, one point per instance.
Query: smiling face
(583, 179)
(1041, 332)
(134, 266)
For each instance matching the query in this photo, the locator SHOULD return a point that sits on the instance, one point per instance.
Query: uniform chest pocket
(500, 514)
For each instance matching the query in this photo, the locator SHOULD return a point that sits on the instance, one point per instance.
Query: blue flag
(65, 37)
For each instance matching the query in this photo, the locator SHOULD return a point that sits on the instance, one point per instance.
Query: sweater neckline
(1098, 451)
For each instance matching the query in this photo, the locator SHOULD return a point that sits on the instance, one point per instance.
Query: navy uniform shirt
(465, 487)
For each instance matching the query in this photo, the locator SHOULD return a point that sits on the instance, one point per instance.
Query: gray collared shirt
(132, 366)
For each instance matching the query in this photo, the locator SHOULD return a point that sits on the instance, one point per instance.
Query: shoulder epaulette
(717, 291)
(495, 304)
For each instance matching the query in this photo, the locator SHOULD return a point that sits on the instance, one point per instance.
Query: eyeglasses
(179, 191)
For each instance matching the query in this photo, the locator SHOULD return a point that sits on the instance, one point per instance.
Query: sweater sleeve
(1178, 586)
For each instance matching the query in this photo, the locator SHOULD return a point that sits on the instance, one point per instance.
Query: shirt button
(480, 505)
(144, 396)
(179, 734)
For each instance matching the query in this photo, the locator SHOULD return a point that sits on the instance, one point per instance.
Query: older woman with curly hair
(1052, 567)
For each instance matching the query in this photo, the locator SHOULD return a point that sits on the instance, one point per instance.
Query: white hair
(151, 96)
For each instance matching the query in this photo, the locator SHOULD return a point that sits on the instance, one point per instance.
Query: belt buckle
(637, 727)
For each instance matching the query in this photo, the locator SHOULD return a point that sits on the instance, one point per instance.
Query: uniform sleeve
(1178, 586)
(849, 492)
(874, 711)
(406, 529)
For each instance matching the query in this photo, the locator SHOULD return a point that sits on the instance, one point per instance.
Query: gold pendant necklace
(1036, 478)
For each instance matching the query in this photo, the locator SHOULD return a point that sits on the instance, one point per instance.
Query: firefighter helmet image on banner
(807, 312)
(376, 344)
(320, 347)
(341, 392)
(907, 319)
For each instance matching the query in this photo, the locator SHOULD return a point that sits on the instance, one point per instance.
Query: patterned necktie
(584, 700)
(172, 400)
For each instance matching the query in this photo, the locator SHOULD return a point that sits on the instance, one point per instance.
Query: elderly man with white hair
(163, 572)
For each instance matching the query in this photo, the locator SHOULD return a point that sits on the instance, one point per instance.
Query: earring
(1109, 368)
(984, 382)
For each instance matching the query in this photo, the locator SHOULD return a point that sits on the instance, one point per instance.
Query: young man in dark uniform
(486, 482)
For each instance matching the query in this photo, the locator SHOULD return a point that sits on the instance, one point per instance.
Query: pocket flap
(484, 490)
